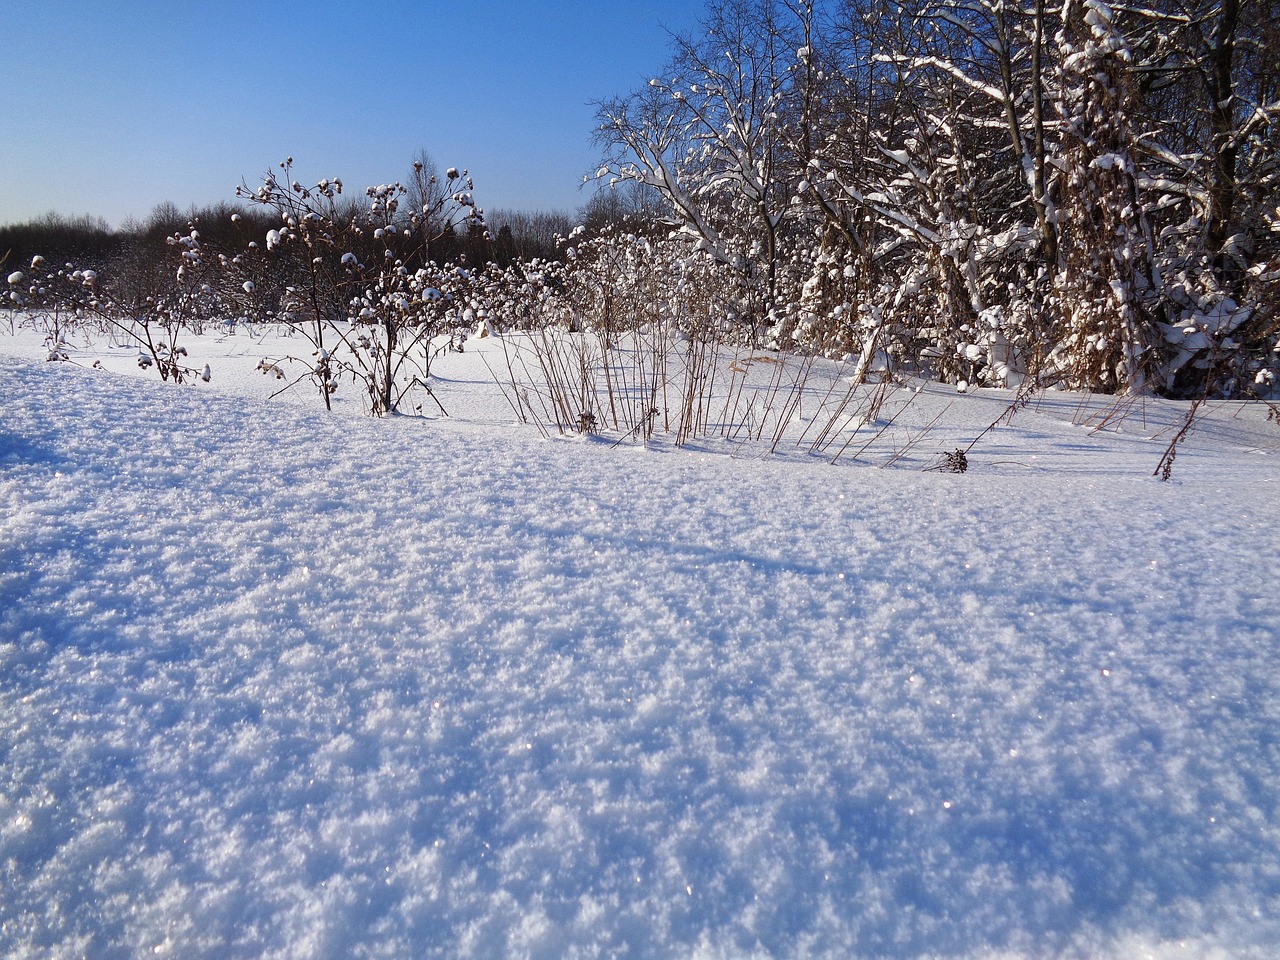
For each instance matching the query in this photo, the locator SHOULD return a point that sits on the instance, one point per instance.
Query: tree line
(1079, 193)
(88, 241)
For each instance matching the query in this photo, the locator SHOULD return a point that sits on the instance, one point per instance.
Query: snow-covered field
(282, 683)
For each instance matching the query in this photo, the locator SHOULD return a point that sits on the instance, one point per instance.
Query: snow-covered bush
(154, 317)
(359, 281)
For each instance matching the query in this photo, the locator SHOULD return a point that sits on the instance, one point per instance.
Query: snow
(282, 683)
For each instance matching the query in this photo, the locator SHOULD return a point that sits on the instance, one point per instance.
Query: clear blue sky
(113, 106)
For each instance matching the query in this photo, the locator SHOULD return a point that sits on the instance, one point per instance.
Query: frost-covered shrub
(154, 317)
(359, 281)
(521, 296)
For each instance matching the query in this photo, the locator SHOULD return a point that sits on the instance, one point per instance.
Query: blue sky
(114, 106)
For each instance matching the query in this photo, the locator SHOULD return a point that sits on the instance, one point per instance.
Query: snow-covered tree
(708, 136)
(987, 191)
(1107, 337)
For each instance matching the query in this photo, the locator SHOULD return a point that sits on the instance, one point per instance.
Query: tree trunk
(1222, 183)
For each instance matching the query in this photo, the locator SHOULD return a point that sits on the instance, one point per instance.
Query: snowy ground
(282, 683)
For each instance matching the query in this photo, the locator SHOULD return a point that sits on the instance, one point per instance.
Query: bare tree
(708, 137)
